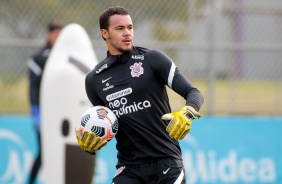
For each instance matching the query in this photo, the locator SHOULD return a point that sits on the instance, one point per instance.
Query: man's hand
(180, 122)
(89, 142)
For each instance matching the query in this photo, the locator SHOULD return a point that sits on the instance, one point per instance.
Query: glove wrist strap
(192, 112)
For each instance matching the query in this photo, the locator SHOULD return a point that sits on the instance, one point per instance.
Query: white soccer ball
(100, 120)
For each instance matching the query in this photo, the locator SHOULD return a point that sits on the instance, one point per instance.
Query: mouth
(127, 41)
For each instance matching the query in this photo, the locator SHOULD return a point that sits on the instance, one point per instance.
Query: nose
(127, 32)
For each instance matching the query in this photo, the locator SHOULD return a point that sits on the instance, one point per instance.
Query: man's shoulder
(142, 49)
(103, 65)
(41, 53)
(147, 51)
(151, 54)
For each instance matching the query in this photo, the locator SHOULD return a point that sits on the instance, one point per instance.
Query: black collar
(123, 57)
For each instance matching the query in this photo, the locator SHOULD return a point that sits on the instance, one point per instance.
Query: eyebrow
(119, 26)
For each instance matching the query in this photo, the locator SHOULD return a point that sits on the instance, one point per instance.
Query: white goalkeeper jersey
(133, 86)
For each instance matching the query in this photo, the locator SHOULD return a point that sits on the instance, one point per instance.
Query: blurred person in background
(36, 65)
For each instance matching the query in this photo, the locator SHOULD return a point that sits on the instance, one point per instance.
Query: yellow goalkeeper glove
(180, 122)
(88, 141)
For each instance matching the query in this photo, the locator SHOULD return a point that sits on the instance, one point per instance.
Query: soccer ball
(100, 120)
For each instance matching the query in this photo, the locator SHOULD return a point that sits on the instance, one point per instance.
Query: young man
(132, 81)
(35, 69)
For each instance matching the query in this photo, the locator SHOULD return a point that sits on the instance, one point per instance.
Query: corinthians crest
(136, 69)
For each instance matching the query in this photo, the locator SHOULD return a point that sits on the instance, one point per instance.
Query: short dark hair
(53, 25)
(105, 16)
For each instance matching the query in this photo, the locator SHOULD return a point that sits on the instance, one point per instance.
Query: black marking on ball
(85, 119)
(115, 126)
(99, 131)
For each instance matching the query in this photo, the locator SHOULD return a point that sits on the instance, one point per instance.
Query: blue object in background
(35, 111)
(18, 148)
(217, 150)
(106, 164)
(234, 150)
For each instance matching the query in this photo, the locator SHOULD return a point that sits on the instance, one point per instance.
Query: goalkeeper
(132, 81)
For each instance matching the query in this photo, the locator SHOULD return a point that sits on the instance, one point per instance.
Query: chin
(128, 48)
(125, 49)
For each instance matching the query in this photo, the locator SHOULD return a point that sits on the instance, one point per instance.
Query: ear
(105, 33)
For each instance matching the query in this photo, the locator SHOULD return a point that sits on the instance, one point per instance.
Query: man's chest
(130, 81)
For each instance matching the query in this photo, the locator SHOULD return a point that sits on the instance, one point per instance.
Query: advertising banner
(217, 150)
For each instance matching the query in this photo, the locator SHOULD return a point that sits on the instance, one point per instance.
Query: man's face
(119, 36)
(52, 36)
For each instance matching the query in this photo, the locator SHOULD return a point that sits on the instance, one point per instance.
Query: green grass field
(238, 97)
(230, 97)
(14, 97)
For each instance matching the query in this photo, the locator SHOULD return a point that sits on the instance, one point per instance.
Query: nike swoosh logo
(166, 170)
(103, 81)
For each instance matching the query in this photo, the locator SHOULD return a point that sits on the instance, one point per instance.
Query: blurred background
(230, 49)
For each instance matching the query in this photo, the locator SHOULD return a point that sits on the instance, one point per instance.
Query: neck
(113, 51)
